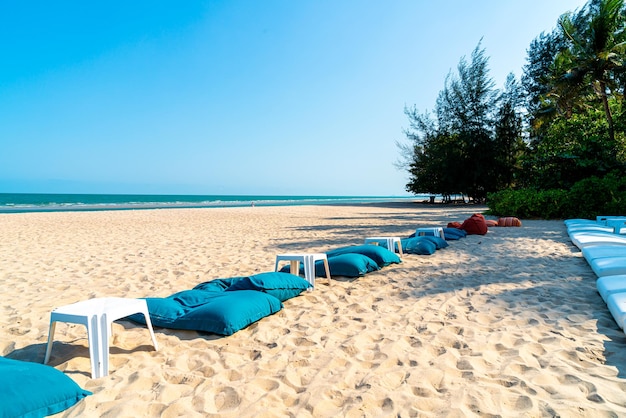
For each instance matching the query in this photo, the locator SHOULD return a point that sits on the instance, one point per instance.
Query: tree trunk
(607, 111)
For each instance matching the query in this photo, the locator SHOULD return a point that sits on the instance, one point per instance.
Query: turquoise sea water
(31, 202)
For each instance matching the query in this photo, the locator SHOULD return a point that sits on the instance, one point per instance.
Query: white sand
(507, 324)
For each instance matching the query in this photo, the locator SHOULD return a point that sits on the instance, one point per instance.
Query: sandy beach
(506, 324)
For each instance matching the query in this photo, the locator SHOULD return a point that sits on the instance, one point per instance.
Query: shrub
(586, 199)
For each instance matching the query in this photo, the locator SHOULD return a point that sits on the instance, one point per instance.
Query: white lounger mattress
(592, 252)
(609, 285)
(608, 266)
(584, 239)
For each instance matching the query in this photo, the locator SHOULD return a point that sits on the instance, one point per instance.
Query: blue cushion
(222, 312)
(417, 245)
(217, 284)
(34, 390)
(454, 233)
(229, 312)
(281, 285)
(347, 265)
(163, 311)
(382, 256)
(190, 299)
(438, 241)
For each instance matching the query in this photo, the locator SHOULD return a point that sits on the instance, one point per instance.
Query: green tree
(469, 101)
(574, 93)
(509, 141)
(595, 52)
(459, 151)
(572, 149)
(432, 159)
(536, 82)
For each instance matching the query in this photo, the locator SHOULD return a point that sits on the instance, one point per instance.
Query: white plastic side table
(98, 315)
(433, 232)
(308, 261)
(390, 242)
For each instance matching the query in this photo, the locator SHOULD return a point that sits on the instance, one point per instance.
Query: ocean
(33, 202)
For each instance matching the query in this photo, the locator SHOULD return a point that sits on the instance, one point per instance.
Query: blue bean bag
(418, 245)
(438, 241)
(221, 313)
(224, 306)
(454, 233)
(346, 265)
(34, 390)
(382, 256)
(280, 285)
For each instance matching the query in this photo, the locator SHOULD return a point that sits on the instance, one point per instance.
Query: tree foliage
(562, 124)
(594, 53)
(574, 93)
(471, 144)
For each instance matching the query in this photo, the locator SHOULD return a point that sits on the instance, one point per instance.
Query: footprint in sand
(414, 341)
(227, 399)
(520, 368)
(289, 400)
(266, 385)
(304, 342)
(18, 331)
(295, 380)
(535, 349)
(387, 405)
(234, 375)
(423, 392)
(508, 381)
(464, 364)
(520, 403)
(586, 388)
(350, 349)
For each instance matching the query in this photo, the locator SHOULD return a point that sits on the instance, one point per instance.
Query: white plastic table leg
(91, 322)
(309, 269)
(308, 263)
(117, 308)
(389, 241)
(294, 267)
(326, 269)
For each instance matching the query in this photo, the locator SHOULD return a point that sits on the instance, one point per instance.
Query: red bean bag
(509, 221)
(491, 223)
(456, 225)
(475, 225)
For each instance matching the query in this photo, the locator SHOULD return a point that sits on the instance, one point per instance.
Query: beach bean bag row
(224, 306)
(35, 390)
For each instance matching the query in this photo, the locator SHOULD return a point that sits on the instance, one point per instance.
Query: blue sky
(235, 97)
